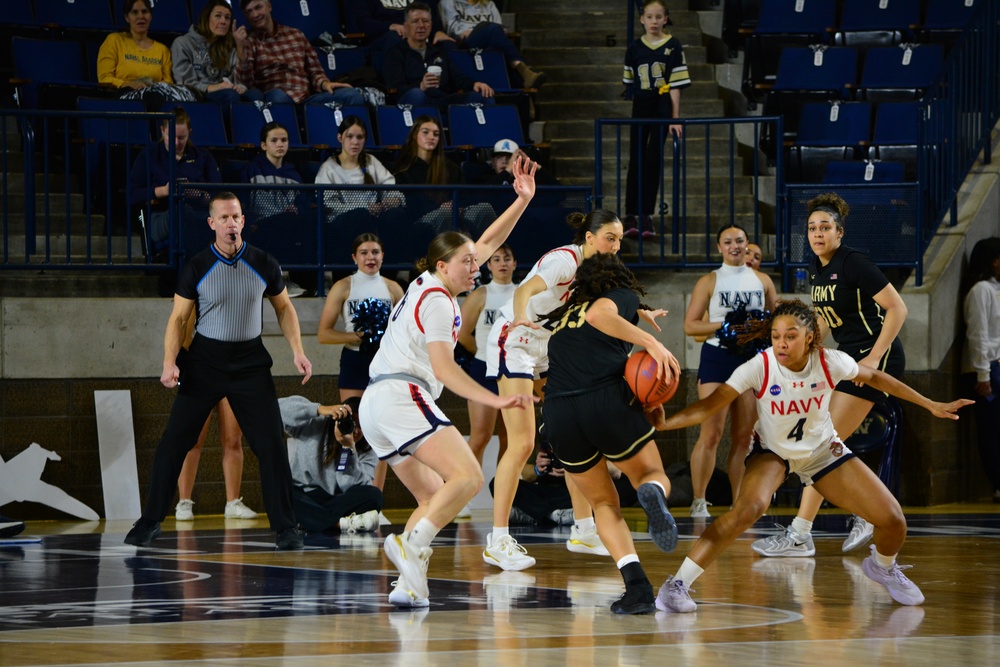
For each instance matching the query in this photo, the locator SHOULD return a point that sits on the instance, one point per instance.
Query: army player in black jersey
(863, 312)
(223, 287)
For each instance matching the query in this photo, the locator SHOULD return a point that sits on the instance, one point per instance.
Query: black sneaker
(143, 533)
(289, 539)
(637, 599)
(10, 527)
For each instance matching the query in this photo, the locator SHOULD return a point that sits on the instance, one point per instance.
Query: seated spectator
(422, 162)
(505, 152)
(381, 21)
(754, 256)
(422, 73)
(138, 65)
(542, 498)
(476, 24)
(332, 471)
(354, 166)
(205, 58)
(281, 63)
(149, 180)
(272, 206)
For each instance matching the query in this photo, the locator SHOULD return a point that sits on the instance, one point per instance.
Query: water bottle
(801, 283)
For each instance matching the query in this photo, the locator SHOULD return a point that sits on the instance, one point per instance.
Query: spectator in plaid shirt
(281, 63)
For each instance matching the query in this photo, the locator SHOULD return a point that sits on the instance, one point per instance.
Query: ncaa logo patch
(775, 390)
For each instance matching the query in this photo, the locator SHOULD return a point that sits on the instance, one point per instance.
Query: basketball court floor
(215, 592)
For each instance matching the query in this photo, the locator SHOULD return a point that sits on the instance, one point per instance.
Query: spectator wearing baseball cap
(504, 152)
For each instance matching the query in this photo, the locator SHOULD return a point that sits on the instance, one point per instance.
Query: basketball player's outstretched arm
(695, 413)
(524, 185)
(887, 383)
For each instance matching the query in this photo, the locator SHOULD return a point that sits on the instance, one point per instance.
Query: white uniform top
(557, 268)
(496, 296)
(427, 313)
(363, 287)
(793, 409)
(734, 286)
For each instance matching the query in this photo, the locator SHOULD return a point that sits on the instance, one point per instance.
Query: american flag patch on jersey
(818, 386)
(833, 276)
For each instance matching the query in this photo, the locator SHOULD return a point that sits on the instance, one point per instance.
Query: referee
(223, 287)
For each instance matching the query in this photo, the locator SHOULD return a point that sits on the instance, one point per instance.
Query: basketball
(640, 373)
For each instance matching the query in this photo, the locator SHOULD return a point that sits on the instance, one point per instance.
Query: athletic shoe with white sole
(662, 527)
(402, 595)
(699, 509)
(788, 544)
(506, 554)
(861, 532)
(184, 510)
(675, 595)
(364, 523)
(900, 588)
(586, 543)
(235, 509)
(411, 563)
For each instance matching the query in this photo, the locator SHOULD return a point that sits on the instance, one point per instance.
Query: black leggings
(318, 511)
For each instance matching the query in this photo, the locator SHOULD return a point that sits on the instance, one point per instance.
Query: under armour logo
(798, 385)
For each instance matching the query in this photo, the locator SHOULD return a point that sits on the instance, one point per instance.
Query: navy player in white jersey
(479, 312)
(341, 303)
(716, 294)
(793, 382)
(414, 363)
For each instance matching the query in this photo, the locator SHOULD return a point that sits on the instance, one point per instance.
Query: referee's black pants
(210, 371)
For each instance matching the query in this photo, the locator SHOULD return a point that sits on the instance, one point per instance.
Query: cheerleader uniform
(354, 363)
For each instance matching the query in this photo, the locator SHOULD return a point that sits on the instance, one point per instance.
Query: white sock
(500, 531)
(659, 485)
(422, 534)
(689, 571)
(884, 561)
(625, 560)
(586, 525)
(801, 526)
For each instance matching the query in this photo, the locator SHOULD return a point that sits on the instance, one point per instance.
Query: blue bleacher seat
(876, 22)
(41, 62)
(502, 122)
(170, 16)
(339, 62)
(855, 171)
(814, 17)
(19, 13)
(321, 125)
(207, 125)
(836, 74)
(391, 121)
(312, 17)
(102, 130)
(780, 26)
(896, 134)
(821, 139)
(885, 77)
(247, 121)
(949, 15)
(494, 68)
(82, 14)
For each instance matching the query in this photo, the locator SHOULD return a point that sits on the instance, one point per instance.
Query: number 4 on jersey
(796, 432)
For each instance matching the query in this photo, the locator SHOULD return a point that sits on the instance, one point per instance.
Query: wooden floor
(217, 593)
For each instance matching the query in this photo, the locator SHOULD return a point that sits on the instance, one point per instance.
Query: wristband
(538, 473)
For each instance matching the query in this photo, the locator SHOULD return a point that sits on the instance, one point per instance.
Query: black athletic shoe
(10, 527)
(662, 527)
(289, 539)
(637, 599)
(143, 533)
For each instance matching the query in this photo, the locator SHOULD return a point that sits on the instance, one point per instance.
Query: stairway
(570, 42)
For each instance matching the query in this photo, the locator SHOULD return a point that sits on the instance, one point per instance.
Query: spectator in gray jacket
(332, 471)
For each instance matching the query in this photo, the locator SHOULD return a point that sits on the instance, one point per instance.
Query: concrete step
(611, 74)
(69, 283)
(78, 223)
(55, 182)
(76, 246)
(694, 205)
(58, 202)
(596, 90)
(581, 172)
(567, 17)
(583, 55)
(619, 108)
(583, 146)
(609, 35)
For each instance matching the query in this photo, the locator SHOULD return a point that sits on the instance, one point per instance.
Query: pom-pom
(371, 316)
(734, 326)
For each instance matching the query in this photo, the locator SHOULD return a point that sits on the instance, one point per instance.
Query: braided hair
(597, 275)
(803, 313)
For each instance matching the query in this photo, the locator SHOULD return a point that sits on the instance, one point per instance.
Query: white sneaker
(293, 289)
(674, 595)
(402, 595)
(861, 532)
(411, 563)
(506, 554)
(184, 510)
(586, 543)
(787, 544)
(464, 513)
(364, 523)
(699, 509)
(899, 586)
(235, 509)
